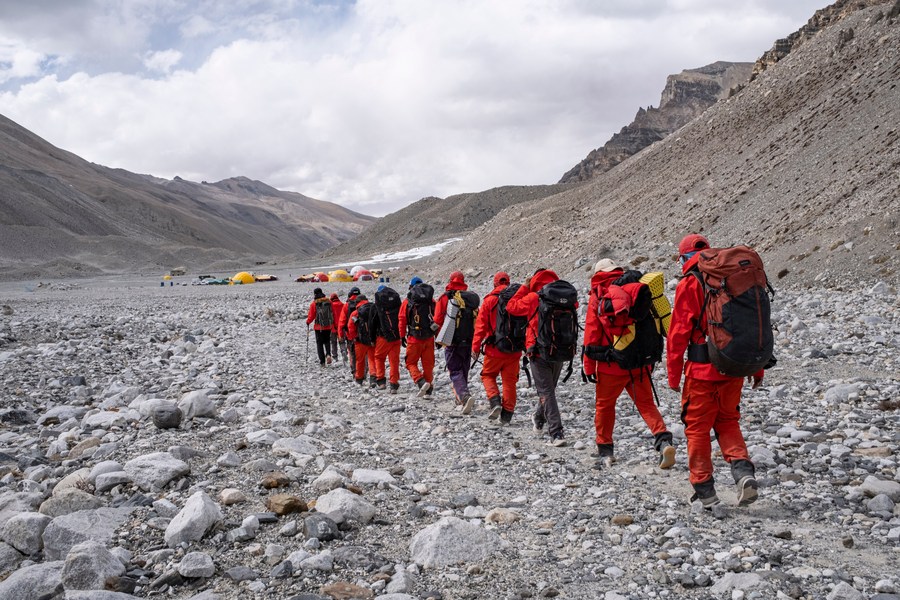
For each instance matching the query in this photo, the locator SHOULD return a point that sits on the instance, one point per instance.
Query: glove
(592, 378)
(475, 357)
(403, 342)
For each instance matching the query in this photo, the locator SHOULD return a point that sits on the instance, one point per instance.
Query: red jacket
(351, 322)
(337, 309)
(401, 321)
(345, 318)
(600, 332)
(689, 326)
(311, 317)
(440, 307)
(525, 303)
(486, 323)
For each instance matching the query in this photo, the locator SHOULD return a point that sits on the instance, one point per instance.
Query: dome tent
(321, 277)
(340, 275)
(363, 275)
(355, 270)
(243, 277)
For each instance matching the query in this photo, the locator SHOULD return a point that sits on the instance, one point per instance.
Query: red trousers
(391, 351)
(711, 405)
(608, 389)
(423, 352)
(364, 353)
(507, 367)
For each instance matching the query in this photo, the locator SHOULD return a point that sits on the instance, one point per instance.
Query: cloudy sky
(372, 104)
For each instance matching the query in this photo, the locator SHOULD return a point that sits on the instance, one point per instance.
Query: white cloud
(396, 100)
(162, 61)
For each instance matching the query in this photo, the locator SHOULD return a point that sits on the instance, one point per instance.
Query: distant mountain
(61, 215)
(685, 97)
(802, 164)
(434, 219)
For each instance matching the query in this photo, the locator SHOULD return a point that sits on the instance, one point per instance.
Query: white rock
(23, 532)
(452, 541)
(873, 486)
(372, 476)
(199, 515)
(845, 591)
(197, 564)
(348, 504)
(197, 404)
(88, 566)
(152, 472)
(741, 581)
(298, 446)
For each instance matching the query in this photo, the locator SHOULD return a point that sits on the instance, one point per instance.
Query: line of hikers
(720, 321)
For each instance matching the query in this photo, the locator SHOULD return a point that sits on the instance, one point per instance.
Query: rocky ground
(287, 480)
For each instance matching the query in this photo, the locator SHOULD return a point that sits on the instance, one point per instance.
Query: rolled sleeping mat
(445, 335)
(661, 307)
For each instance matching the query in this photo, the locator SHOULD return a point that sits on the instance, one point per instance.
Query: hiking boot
(372, 381)
(424, 388)
(747, 490)
(666, 456)
(605, 455)
(705, 492)
(468, 404)
(430, 389)
(537, 422)
(327, 360)
(360, 381)
(557, 440)
(496, 408)
(505, 416)
(395, 387)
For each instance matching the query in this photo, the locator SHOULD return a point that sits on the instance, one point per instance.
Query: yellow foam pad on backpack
(662, 309)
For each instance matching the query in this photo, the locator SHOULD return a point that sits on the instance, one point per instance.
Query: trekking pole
(527, 371)
(307, 345)
(653, 387)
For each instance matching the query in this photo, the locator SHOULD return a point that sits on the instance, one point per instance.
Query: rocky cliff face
(685, 96)
(820, 20)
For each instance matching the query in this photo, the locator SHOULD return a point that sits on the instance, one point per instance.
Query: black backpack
(387, 309)
(557, 335)
(465, 320)
(324, 314)
(509, 331)
(420, 311)
(365, 324)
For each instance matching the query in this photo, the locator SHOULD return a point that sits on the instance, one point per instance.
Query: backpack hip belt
(698, 353)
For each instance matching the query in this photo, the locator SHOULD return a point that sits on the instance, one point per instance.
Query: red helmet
(457, 276)
(500, 278)
(692, 242)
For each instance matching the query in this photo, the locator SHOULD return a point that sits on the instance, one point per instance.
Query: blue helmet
(415, 281)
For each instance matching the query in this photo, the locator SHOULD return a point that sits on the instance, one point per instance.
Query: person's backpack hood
(542, 278)
(501, 278)
(415, 281)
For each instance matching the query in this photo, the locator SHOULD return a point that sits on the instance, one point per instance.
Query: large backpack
(420, 311)
(736, 301)
(366, 318)
(324, 314)
(557, 334)
(627, 305)
(465, 319)
(509, 331)
(387, 308)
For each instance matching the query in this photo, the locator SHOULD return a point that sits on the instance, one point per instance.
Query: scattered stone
(347, 504)
(89, 565)
(196, 564)
(230, 496)
(452, 541)
(24, 530)
(152, 472)
(41, 580)
(320, 527)
(199, 515)
(275, 480)
(284, 504)
(167, 416)
(845, 591)
(341, 590)
(65, 532)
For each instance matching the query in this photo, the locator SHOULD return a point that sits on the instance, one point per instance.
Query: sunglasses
(686, 257)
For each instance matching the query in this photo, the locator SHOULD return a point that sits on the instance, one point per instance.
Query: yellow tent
(167, 277)
(243, 277)
(340, 275)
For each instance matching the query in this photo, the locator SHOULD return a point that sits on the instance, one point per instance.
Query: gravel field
(233, 501)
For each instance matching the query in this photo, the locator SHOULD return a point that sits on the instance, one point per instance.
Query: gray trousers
(335, 344)
(546, 376)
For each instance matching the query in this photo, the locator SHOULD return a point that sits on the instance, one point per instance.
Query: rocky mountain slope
(685, 97)
(801, 164)
(432, 219)
(60, 215)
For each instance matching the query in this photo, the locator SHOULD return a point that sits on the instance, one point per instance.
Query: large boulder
(23, 532)
(873, 486)
(197, 404)
(152, 472)
(347, 504)
(452, 541)
(199, 515)
(65, 532)
(37, 581)
(88, 565)
(13, 503)
(68, 501)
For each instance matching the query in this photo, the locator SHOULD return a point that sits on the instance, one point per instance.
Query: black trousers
(323, 344)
